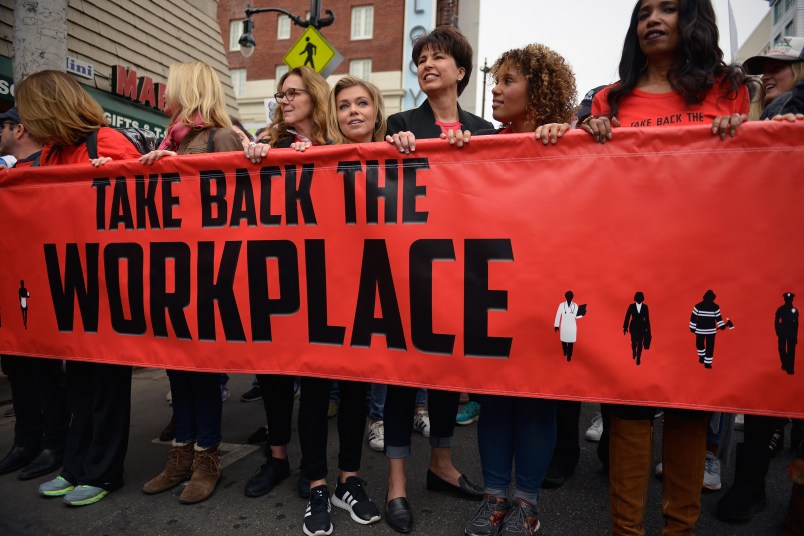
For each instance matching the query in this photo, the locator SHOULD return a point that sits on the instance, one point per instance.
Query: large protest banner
(443, 268)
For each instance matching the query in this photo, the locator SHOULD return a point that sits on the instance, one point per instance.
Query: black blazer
(421, 121)
(640, 321)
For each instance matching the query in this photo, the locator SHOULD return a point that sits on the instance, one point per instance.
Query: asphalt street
(580, 507)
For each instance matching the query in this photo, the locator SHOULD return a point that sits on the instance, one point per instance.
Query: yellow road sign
(313, 50)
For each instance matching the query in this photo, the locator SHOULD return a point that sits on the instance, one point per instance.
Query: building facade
(785, 18)
(372, 36)
(121, 52)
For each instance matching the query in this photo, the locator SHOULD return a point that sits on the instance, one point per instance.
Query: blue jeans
(376, 401)
(197, 407)
(520, 430)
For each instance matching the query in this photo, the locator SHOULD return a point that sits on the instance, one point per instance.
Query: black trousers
(277, 398)
(399, 405)
(39, 396)
(100, 399)
(568, 448)
(787, 353)
(313, 425)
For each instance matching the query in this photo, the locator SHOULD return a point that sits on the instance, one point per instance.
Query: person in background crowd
(242, 132)
(38, 386)
(444, 65)
(300, 121)
(781, 70)
(198, 124)
(535, 87)
(671, 64)
(60, 114)
(356, 115)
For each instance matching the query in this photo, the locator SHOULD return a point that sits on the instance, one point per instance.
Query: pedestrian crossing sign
(313, 50)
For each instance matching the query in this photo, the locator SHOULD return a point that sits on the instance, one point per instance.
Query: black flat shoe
(48, 461)
(270, 474)
(17, 458)
(398, 515)
(465, 488)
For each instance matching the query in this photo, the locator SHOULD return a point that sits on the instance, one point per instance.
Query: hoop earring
(645, 65)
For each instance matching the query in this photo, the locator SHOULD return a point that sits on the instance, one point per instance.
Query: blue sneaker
(469, 414)
(55, 488)
(84, 495)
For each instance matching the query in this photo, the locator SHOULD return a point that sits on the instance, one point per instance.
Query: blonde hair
(195, 89)
(56, 109)
(318, 89)
(756, 91)
(380, 125)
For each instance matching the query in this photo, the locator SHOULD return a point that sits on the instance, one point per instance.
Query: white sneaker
(376, 436)
(712, 472)
(595, 429)
(739, 422)
(421, 423)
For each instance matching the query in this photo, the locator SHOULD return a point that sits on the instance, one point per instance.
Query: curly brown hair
(551, 83)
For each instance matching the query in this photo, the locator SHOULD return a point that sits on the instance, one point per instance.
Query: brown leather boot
(206, 473)
(794, 524)
(178, 468)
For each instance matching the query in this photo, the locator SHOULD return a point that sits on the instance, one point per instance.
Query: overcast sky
(588, 33)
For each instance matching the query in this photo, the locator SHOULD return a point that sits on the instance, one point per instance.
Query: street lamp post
(485, 70)
(247, 42)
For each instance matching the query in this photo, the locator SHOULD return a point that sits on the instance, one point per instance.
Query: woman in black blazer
(444, 60)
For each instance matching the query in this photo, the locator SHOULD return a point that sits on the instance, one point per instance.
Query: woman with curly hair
(671, 73)
(534, 91)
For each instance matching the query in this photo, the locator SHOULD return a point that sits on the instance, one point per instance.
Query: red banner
(443, 268)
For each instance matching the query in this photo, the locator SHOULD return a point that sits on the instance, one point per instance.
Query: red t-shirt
(111, 143)
(641, 109)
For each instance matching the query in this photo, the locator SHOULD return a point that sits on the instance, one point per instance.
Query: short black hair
(449, 40)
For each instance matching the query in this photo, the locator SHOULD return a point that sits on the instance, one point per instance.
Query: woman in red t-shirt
(59, 113)
(671, 73)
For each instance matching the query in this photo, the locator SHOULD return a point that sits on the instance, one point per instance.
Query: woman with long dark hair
(671, 73)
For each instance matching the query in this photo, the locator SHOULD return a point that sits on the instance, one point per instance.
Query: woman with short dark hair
(444, 63)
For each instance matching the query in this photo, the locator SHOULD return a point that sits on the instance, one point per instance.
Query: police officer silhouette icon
(786, 325)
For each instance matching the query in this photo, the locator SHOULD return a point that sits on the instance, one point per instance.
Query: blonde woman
(356, 115)
(199, 124)
(60, 114)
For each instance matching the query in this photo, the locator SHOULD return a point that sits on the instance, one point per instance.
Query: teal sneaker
(469, 414)
(84, 495)
(55, 488)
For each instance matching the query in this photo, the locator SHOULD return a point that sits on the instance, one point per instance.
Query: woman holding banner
(356, 115)
(534, 86)
(444, 59)
(671, 73)
(59, 113)
(300, 121)
(199, 124)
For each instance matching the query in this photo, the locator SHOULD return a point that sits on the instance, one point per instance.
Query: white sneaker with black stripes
(352, 497)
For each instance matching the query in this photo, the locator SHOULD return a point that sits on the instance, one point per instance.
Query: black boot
(746, 496)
